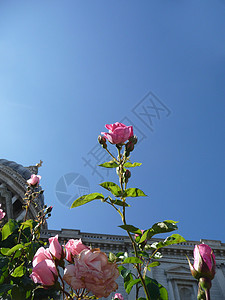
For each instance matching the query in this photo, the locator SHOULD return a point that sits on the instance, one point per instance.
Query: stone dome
(25, 172)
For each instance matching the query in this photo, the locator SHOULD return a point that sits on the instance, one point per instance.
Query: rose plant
(204, 268)
(144, 254)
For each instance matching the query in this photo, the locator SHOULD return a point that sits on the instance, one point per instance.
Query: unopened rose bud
(102, 141)
(127, 175)
(133, 139)
(129, 146)
(49, 209)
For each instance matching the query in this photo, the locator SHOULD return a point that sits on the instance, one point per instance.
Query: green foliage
(112, 187)
(155, 289)
(132, 260)
(160, 227)
(134, 192)
(132, 165)
(8, 229)
(171, 240)
(16, 258)
(109, 164)
(119, 202)
(131, 228)
(86, 198)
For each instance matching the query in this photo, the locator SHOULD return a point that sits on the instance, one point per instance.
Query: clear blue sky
(69, 67)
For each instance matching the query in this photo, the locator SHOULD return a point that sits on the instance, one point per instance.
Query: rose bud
(55, 248)
(127, 175)
(102, 141)
(204, 262)
(133, 139)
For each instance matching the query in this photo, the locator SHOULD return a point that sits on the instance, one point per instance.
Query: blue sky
(69, 68)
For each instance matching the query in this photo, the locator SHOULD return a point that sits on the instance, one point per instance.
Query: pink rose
(55, 248)
(74, 247)
(93, 271)
(41, 255)
(45, 273)
(204, 262)
(35, 179)
(118, 296)
(118, 133)
(2, 213)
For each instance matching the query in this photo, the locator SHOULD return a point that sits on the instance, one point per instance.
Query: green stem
(130, 236)
(207, 294)
(111, 154)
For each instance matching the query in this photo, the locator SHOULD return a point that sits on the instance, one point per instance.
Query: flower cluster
(87, 269)
(34, 180)
(2, 213)
(44, 266)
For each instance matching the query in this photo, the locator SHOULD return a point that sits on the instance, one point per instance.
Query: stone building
(173, 272)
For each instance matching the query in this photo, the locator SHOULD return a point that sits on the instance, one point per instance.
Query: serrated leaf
(119, 202)
(171, 240)
(131, 228)
(160, 227)
(86, 198)
(131, 284)
(27, 223)
(154, 264)
(8, 229)
(112, 187)
(132, 260)
(155, 289)
(109, 164)
(9, 251)
(125, 272)
(134, 192)
(132, 165)
(19, 271)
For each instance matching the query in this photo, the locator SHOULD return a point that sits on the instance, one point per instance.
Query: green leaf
(125, 272)
(132, 260)
(134, 192)
(171, 240)
(112, 187)
(112, 257)
(141, 298)
(155, 289)
(27, 223)
(9, 228)
(86, 198)
(9, 251)
(154, 264)
(109, 164)
(5, 288)
(131, 284)
(130, 165)
(131, 228)
(160, 227)
(19, 271)
(119, 202)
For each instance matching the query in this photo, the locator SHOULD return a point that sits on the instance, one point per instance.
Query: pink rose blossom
(55, 248)
(41, 255)
(35, 179)
(45, 273)
(118, 296)
(93, 271)
(2, 213)
(74, 247)
(118, 133)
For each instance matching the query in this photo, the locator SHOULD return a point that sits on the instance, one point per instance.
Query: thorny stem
(130, 236)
